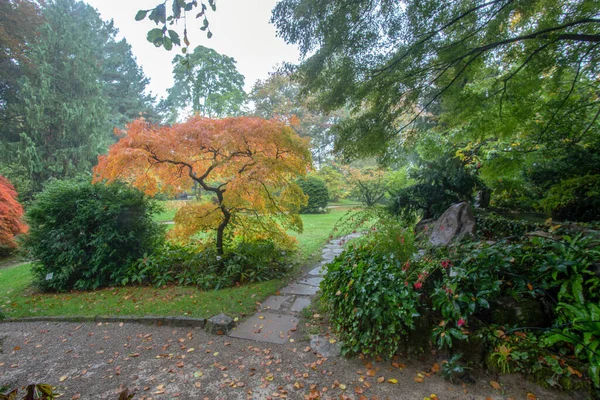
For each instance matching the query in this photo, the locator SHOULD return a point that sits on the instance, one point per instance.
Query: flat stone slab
(299, 289)
(266, 327)
(274, 302)
(300, 304)
(318, 271)
(311, 281)
(324, 346)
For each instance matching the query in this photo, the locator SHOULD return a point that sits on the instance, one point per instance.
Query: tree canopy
(72, 83)
(396, 62)
(249, 164)
(279, 97)
(206, 82)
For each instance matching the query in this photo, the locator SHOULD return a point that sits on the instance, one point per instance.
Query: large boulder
(456, 222)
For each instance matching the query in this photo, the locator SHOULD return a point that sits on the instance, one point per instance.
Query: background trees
(206, 83)
(76, 83)
(249, 164)
(280, 97)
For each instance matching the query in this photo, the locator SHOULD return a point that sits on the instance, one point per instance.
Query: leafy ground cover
(19, 300)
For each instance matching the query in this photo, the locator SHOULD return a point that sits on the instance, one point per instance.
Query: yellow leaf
(190, 350)
(63, 378)
(393, 381)
(342, 386)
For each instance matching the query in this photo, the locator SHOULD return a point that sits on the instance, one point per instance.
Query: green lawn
(317, 229)
(18, 299)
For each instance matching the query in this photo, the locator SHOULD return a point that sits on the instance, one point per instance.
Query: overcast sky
(240, 30)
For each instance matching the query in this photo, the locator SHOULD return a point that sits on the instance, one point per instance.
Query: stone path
(276, 319)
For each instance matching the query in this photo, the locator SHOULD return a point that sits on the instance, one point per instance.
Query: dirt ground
(98, 361)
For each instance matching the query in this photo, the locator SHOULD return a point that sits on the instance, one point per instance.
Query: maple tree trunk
(221, 230)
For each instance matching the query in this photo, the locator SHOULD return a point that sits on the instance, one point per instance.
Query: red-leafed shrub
(11, 214)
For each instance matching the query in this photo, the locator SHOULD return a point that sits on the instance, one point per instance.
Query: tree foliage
(167, 16)
(11, 214)
(394, 62)
(19, 26)
(369, 183)
(207, 83)
(248, 163)
(317, 193)
(76, 83)
(437, 185)
(279, 97)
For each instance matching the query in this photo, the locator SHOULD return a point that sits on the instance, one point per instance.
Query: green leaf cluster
(85, 236)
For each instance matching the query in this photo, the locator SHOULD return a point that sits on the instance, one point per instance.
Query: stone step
(266, 327)
(299, 289)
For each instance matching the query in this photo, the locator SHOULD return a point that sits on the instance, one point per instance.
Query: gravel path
(99, 361)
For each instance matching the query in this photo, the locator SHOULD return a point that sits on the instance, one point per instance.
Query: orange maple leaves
(249, 164)
(11, 213)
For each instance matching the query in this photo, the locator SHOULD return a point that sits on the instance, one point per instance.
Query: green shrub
(85, 236)
(317, 193)
(576, 199)
(437, 185)
(370, 301)
(493, 226)
(188, 265)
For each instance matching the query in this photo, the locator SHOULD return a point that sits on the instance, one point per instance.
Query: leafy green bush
(369, 297)
(493, 226)
(188, 265)
(85, 236)
(438, 185)
(317, 193)
(576, 199)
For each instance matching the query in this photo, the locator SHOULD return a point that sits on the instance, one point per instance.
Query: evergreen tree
(78, 84)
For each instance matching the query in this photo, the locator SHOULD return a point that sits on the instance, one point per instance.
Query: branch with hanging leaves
(167, 35)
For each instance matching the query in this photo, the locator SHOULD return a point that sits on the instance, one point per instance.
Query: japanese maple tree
(11, 213)
(249, 164)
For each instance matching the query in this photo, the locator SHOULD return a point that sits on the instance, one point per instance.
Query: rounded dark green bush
(317, 193)
(85, 236)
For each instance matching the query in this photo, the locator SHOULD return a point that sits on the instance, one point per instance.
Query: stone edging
(148, 320)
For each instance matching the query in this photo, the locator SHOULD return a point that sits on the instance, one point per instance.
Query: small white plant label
(49, 276)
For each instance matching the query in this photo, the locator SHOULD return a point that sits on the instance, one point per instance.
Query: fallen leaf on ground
(495, 385)
(381, 379)
(62, 378)
(419, 380)
(393, 381)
